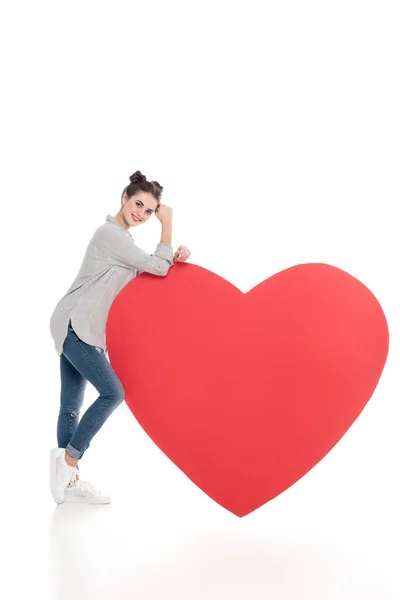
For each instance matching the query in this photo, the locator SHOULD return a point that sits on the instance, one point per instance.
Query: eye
(149, 212)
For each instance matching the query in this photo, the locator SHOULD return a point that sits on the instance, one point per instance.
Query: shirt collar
(113, 220)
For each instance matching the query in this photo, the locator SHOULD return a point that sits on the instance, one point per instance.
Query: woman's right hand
(164, 213)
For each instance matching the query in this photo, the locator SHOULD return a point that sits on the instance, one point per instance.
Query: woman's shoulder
(111, 231)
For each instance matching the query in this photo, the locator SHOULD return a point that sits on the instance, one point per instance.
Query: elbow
(162, 269)
(159, 267)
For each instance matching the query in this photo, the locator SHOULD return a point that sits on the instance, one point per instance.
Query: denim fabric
(80, 363)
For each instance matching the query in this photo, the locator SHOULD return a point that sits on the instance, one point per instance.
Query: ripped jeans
(80, 363)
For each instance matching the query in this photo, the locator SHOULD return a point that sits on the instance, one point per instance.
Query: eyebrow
(143, 205)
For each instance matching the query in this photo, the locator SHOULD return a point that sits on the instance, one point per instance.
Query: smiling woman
(78, 328)
(139, 201)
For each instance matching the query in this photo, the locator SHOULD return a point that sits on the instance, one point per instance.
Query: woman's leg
(94, 367)
(73, 386)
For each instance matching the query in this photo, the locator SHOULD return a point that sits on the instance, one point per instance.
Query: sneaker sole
(57, 495)
(84, 501)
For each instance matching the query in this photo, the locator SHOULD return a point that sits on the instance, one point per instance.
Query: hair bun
(158, 187)
(137, 177)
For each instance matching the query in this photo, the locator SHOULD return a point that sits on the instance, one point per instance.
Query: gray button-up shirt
(112, 259)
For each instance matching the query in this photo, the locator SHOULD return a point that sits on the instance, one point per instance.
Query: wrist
(166, 233)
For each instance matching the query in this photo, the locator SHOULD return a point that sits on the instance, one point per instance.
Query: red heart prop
(245, 393)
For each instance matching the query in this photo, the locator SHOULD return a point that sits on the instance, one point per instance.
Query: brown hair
(138, 182)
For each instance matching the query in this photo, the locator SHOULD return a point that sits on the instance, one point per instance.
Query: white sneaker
(61, 474)
(83, 491)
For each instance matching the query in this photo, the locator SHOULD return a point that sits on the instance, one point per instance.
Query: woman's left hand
(181, 254)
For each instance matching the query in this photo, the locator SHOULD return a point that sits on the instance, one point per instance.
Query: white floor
(87, 552)
(104, 555)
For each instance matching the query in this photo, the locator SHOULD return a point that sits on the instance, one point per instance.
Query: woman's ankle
(72, 462)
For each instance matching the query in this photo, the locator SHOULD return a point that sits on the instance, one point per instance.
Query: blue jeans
(80, 363)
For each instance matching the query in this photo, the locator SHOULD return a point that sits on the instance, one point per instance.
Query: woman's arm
(118, 248)
(166, 232)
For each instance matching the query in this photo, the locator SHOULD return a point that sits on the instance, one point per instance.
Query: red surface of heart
(245, 393)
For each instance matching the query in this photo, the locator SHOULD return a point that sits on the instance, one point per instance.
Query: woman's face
(138, 208)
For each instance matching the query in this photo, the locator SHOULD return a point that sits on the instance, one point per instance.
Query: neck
(121, 220)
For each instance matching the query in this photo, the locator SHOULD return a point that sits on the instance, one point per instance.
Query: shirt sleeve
(139, 272)
(120, 250)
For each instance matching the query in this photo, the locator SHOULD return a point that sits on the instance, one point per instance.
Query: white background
(274, 128)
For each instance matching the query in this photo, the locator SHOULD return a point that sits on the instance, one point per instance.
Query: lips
(135, 219)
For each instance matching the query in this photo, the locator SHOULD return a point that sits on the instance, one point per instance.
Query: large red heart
(245, 393)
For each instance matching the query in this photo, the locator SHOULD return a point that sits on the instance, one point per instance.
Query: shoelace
(85, 486)
(70, 476)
